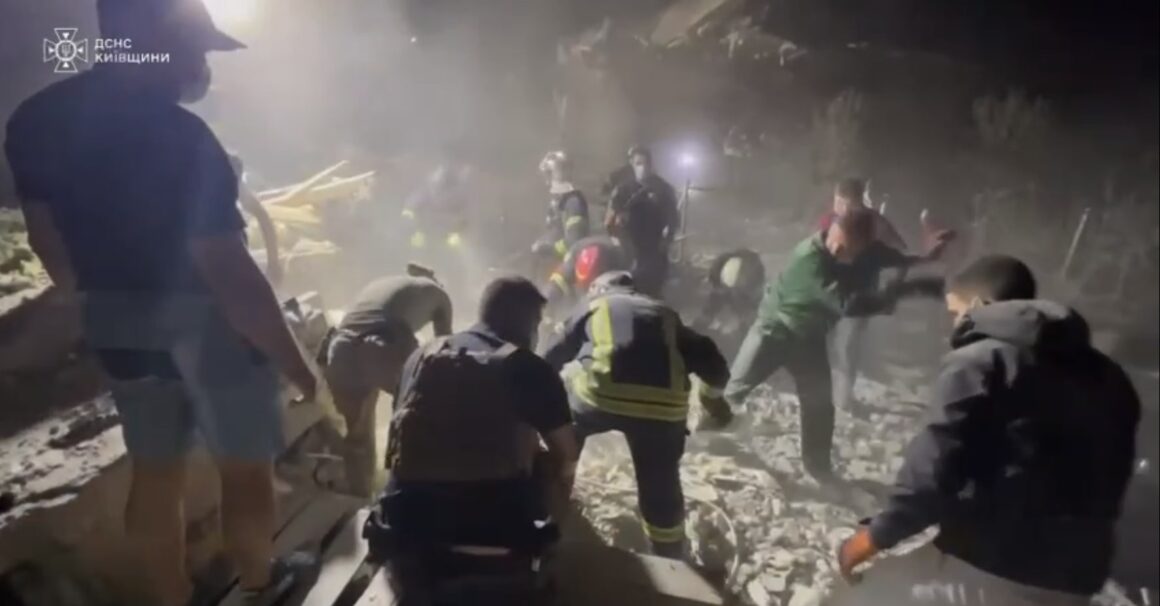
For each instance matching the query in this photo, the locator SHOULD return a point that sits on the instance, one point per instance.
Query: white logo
(66, 50)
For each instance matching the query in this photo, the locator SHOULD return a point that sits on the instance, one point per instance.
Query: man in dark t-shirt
(644, 215)
(466, 426)
(131, 202)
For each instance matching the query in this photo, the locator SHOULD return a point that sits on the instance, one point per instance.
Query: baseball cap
(183, 24)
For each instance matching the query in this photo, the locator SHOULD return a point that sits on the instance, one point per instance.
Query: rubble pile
(48, 464)
(757, 524)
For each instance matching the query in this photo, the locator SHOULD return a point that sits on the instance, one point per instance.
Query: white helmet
(557, 165)
(611, 280)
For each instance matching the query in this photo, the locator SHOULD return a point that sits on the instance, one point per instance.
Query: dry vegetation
(19, 268)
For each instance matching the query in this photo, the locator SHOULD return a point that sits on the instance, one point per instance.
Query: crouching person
(636, 357)
(366, 353)
(1023, 463)
(462, 501)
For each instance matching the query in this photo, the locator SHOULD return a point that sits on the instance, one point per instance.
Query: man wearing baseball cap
(130, 202)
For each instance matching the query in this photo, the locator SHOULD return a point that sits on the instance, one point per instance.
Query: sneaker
(287, 573)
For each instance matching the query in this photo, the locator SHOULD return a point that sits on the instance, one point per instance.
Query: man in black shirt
(643, 215)
(1023, 462)
(131, 202)
(470, 413)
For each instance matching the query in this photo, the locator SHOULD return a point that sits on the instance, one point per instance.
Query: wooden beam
(342, 560)
(306, 531)
(379, 592)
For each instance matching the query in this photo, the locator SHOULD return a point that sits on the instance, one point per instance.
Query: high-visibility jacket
(567, 221)
(636, 356)
(585, 261)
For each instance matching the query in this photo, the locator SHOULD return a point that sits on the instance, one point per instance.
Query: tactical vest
(456, 422)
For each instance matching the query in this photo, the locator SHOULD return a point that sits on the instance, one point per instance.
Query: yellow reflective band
(653, 411)
(454, 240)
(561, 247)
(558, 279)
(418, 240)
(408, 213)
(602, 340)
(710, 392)
(657, 534)
(572, 221)
(596, 387)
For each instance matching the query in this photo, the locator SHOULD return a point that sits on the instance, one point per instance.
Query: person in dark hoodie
(1023, 463)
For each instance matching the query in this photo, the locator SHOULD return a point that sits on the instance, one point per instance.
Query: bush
(20, 269)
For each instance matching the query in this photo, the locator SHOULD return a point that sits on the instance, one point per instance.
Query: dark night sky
(1065, 45)
(1075, 46)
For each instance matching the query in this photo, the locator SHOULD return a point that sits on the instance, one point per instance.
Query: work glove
(854, 552)
(718, 414)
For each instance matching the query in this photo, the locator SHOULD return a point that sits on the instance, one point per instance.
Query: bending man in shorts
(367, 352)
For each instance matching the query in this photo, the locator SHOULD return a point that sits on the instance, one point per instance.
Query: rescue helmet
(587, 267)
(556, 163)
(639, 150)
(612, 280)
(731, 272)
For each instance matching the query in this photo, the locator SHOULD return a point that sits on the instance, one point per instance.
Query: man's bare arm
(444, 316)
(252, 205)
(250, 305)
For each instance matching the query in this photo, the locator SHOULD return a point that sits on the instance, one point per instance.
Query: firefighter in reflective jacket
(567, 219)
(585, 261)
(636, 356)
(437, 212)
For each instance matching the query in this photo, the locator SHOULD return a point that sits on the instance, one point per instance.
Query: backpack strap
(504, 351)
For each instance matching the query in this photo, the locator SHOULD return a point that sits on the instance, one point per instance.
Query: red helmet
(587, 266)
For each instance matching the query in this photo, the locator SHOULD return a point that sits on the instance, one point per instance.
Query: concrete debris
(756, 592)
(752, 512)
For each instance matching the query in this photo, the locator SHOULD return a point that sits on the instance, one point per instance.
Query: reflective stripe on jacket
(636, 356)
(647, 333)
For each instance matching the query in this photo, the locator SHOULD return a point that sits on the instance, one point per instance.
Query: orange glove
(854, 552)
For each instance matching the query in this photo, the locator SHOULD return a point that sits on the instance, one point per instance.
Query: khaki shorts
(359, 366)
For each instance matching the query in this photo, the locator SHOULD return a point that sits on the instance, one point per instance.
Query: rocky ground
(767, 534)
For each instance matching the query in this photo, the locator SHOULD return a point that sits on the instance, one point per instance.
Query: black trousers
(650, 272)
(656, 448)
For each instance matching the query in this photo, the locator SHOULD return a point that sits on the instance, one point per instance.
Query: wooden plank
(379, 592)
(306, 530)
(342, 560)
